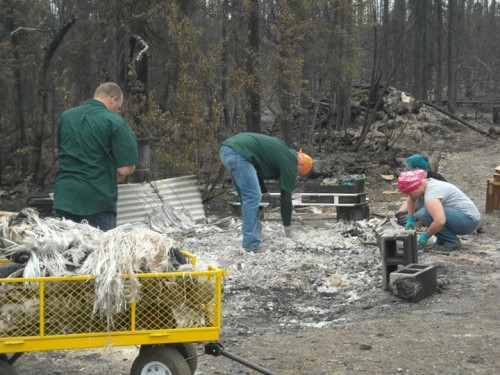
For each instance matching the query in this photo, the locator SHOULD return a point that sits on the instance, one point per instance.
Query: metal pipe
(216, 349)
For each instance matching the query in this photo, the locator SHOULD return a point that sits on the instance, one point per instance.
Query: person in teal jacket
(249, 159)
(95, 145)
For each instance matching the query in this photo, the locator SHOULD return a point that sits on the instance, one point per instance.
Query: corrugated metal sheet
(181, 192)
(135, 201)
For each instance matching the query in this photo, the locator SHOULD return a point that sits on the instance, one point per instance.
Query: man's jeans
(103, 220)
(246, 183)
(456, 223)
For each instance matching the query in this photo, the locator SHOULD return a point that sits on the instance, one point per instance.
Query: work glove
(273, 201)
(410, 222)
(422, 239)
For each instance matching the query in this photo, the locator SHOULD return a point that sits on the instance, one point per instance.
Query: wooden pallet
(348, 206)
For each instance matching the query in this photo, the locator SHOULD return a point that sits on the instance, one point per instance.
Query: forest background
(195, 72)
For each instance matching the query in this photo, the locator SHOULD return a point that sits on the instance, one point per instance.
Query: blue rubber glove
(422, 239)
(410, 222)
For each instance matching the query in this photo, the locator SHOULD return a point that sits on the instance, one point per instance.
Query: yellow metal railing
(50, 313)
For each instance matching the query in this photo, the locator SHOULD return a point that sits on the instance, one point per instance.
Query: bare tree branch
(144, 45)
(30, 29)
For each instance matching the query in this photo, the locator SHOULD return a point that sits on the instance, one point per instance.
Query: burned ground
(314, 304)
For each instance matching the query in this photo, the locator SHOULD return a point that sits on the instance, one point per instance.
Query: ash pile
(311, 279)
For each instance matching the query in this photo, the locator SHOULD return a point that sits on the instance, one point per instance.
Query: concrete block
(399, 249)
(414, 282)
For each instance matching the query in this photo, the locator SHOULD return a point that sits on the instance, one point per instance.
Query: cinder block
(414, 282)
(399, 249)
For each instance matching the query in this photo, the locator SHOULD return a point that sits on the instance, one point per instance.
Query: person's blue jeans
(105, 220)
(456, 223)
(246, 183)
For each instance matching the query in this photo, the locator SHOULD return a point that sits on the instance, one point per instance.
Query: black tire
(4, 357)
(6, 369)
(160, 360)
(190, 354)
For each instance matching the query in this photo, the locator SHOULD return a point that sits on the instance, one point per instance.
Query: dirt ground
(290, 325)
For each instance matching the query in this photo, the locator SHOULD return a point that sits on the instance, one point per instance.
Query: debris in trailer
(44, 247)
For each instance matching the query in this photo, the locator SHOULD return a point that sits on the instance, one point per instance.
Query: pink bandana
(410, 181)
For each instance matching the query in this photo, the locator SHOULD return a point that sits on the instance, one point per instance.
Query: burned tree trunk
(23, 139)
(42, 100)
(252, 111)
(496, 115)
(442, 110)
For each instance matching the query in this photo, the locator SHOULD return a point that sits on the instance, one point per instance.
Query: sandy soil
(314, 304)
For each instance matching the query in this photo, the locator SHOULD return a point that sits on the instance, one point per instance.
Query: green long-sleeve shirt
(273, 160)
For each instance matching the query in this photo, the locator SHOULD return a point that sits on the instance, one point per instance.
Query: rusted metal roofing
(135, 201)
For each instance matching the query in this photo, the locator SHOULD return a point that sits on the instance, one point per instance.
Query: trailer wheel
(160, 360)
(6, 369)
(189, 353)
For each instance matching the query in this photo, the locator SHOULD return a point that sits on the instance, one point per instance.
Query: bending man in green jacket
(249, 158)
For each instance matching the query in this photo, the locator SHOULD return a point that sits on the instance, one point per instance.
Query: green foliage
(310, 51)
(26, 187)
(24, 151)
(186, 130)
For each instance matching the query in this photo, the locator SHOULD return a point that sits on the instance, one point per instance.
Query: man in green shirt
(95, 145)
(249, 158)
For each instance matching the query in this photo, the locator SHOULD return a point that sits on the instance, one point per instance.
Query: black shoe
(441, 249)
(401, 218)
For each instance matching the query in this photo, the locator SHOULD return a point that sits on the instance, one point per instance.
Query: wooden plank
(331, 194)
(300, 204)
(330, 204)
(492, 196)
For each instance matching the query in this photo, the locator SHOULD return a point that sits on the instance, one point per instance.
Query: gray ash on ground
(313, 304)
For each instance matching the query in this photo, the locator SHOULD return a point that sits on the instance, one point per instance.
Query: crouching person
(447, 211)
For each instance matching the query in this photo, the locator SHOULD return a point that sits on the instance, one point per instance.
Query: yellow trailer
(171, 312)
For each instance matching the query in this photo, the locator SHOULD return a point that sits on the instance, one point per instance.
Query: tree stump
(496, 115)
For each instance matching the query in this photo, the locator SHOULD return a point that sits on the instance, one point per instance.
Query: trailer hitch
(216, 349)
